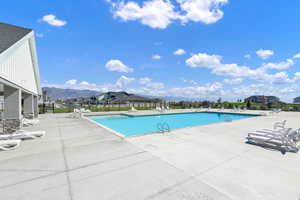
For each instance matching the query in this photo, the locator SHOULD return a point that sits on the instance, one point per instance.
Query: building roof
(10, 34)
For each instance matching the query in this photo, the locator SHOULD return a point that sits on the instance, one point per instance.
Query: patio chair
(158, 109)
(75, 114)
(286, 138)
(29, 122)
(83, 110)
(6, 145)
(132, 109)
(23, 135)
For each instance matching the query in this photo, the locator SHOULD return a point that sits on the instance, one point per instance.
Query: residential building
(297, 100)
(262, 99)
(19, 73)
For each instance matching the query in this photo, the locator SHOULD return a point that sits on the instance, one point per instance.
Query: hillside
(59, 93)
(108, 97)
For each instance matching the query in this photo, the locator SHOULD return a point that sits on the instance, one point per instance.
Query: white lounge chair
(83, 110)
(221, 109)
(75, 114)
(23, 135)
(234, 109)
(132, 109)
(286, 138)
(6, 145)
(158, 109)
(29, 122)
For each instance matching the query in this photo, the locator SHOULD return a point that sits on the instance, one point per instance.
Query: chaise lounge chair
(23, 135)
(6, 145)
(286, 138)
(29, 122)
(132, 109)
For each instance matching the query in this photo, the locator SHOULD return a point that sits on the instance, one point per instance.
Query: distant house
(261, 99)
(297, 100)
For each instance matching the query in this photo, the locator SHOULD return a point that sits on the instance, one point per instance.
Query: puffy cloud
(156, 57)
(297, 55)
(179, 52)
(123, 81)
(296, 77)
(281, 65)
(212, 89)
(236, 71)
(117, 65)
(84, 83)
(280, 77)
(161, 13)
(155, 13)
(145, 80)
(53, 20)
(233, 81)
(71, 82)
(149, 84)
(207, 11)
(214, 63)
(264, 54)
(204, 60)
(193, 82)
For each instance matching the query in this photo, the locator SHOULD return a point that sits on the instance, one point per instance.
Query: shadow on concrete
(270, 147)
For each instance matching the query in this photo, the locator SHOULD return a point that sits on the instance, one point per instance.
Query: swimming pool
(136, 125)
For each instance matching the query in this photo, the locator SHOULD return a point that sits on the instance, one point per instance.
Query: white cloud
(123, 81)
(204, 60)
(149, 84)
(84, 83)
(214, 63)
(71, 82)
(117, 65)
(296, 77)
(247, 56)
(179, 52)
(281, 65)
(145, 80)
(264, 54)
(205, 11)
(297, 55)
(279, 77)
(39, 35)
(193, 82)
(156, 57)
(53, 20)
(155, 13)
(161, 13)
(212, 89)
(233, 81)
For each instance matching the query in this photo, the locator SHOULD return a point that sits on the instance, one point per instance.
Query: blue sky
(202, 49)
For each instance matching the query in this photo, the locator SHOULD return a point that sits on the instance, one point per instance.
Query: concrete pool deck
(79, 160)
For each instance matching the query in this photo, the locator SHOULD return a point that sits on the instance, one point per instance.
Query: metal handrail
(163, 127)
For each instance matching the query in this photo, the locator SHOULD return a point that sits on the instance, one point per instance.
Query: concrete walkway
(79, 160)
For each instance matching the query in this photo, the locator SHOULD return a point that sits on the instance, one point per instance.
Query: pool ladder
(227, 118)
(163, 127)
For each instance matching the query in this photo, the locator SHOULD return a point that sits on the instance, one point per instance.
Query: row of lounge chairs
(279, 136)
(159, 109)
(11, 141)
(77, 113)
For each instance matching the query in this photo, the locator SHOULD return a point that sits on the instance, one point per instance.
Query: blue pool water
(129, 125)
